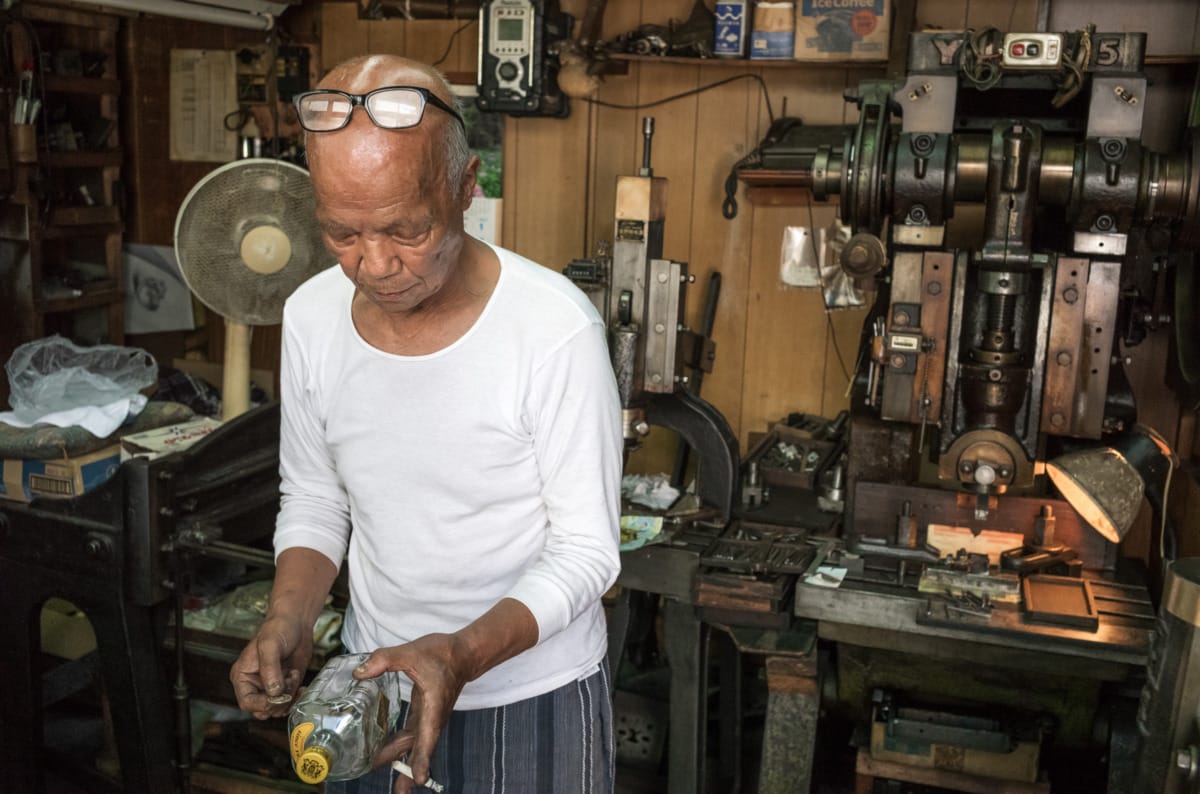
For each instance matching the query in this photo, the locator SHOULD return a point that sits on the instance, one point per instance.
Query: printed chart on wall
(485, 135)
(203, 89)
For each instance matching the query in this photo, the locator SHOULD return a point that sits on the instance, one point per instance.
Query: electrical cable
(1164, 555)
(1074, 67)
(812, 240)
(450, 42)
(729, 206)
(692, 92)
(235, 120)
(978, 66)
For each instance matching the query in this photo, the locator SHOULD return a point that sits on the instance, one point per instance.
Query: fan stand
(265, 250)
(235, 385)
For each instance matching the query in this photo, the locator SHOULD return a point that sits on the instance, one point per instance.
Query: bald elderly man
(451, 430)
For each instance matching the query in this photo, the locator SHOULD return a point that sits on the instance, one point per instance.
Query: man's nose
(377, 258)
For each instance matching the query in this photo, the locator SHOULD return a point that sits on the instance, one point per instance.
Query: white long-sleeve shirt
(449, 481)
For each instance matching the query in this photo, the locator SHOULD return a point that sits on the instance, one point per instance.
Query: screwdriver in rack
(23, 109)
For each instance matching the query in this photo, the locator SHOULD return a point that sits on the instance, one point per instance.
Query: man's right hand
(272, 666)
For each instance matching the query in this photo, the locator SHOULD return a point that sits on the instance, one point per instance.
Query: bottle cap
(313, 765)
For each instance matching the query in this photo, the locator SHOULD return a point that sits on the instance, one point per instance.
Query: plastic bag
(54, 374)
(805, 262)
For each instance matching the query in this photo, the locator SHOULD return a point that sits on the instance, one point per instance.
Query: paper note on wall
(482, 219)
(203, 92)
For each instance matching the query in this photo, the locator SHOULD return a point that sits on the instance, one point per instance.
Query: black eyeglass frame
(360, 100)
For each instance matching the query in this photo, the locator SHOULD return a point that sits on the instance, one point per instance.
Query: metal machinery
(985, 359)
(986, 355)
(122, 554)
(1168, 718)
(641, 297)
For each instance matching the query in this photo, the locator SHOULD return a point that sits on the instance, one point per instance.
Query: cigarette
(406, 770)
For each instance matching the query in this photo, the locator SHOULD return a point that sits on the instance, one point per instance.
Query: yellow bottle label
(300, 735)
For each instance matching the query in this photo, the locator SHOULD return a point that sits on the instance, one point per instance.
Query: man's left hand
(439, 665)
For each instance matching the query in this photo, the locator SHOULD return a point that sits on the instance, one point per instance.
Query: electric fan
(246, 236)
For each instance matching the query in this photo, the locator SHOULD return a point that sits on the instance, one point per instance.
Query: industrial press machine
(986, 356)
(1018, 236)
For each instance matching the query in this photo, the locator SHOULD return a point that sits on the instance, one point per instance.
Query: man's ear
(467, 188)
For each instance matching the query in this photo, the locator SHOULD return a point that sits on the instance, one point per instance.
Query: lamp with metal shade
(1106, 485)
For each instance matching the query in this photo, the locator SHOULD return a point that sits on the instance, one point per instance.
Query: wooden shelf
(81, 85)
(747, 63)
(83, 230)
(87, 300)
(68, 16)
(84, 216)
(85, 159)
(754, 63)
(66, 229)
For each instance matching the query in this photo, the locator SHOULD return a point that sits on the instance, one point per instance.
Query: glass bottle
(338, 725)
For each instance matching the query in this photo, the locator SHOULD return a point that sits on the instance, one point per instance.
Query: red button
(1017, 50)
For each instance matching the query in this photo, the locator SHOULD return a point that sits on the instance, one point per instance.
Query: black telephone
(776, 133)
(778, 130)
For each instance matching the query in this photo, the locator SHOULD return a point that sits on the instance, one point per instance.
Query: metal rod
(647, 135)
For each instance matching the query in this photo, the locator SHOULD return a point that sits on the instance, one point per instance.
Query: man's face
(387, 213)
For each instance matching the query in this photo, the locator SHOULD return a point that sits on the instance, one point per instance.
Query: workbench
(669, 570)
(887, 617)
(862, 614)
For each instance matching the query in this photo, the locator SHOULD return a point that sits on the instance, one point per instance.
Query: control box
(1032, 51)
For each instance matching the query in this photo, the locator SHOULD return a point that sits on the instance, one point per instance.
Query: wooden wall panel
(725, 128)
(785, 333)
(343, 34)
(1013, 15)
(546, 187)
(430, 42)
(949, 14)
(389, 37)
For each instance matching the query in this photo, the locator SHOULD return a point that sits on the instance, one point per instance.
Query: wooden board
(869, 769)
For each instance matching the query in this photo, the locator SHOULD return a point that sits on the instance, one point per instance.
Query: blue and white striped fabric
(557, 743)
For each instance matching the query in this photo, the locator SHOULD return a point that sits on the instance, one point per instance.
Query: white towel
(99, 420)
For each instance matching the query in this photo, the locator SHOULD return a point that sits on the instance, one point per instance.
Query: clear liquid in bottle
(338, 725)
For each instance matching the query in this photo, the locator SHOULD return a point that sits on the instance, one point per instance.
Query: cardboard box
(774, 31)
(61, 478)
(731, 28)
(842, 30)
(164, 440)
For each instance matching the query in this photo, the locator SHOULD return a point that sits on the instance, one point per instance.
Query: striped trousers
(557, 743)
